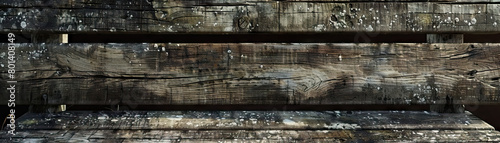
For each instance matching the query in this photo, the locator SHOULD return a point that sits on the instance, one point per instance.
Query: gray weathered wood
(252, 126)
(249, 16)
(251, 120)
(159, 74)
(127, 136)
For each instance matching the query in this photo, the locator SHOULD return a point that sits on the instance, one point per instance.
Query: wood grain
(243, 16)
(251, 120)
(127, 136)
(204, 74)
(244, 126)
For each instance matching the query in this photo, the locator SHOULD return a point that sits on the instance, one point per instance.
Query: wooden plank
(162, 74)
(252, 120)
(250, 126)
(257, 136)
(81, 3)
(242, 16)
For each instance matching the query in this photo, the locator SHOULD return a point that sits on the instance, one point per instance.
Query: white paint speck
(261, 66)
(289, 122)
(369, 28)
(319, 27)
(23, 24)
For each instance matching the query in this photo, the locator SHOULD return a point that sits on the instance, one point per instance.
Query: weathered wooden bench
(441, 70)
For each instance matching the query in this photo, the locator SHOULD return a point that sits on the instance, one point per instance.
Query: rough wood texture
(252, 126)
(249, 16)
(251, 120)
(160, 74)
(215, 136)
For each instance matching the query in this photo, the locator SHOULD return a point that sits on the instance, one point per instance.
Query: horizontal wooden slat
(158, 74)
(127, 136)
(252, 126)
(249, 16)
(82, 3)
(251, 120)
(95, 3)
